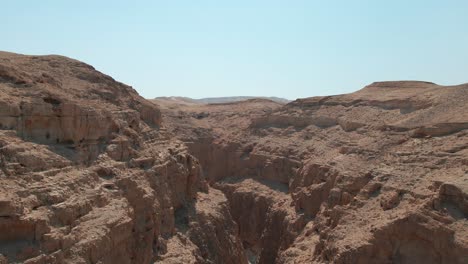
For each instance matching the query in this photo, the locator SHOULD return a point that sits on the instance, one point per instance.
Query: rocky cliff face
(377, 176)
(88, 174)
(93, 173)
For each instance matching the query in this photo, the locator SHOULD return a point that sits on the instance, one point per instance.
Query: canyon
(91, 172)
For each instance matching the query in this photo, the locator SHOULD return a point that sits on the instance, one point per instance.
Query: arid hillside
(212, 100)
(89, 175)
(93, 173)
(376, 176)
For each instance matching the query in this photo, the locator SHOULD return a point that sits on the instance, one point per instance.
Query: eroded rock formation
(93, 173)
(88, 175)
(376, 176)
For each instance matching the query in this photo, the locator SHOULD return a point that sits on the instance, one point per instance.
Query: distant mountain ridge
(217, 100)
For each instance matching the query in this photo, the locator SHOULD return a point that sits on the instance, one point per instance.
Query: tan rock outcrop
(89, 173)
(372, 176)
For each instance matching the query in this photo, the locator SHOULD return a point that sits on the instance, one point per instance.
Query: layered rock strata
(93, 173)
(376, 176)
(89, 175)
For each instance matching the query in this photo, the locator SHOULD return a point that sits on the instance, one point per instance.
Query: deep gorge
(91, 172)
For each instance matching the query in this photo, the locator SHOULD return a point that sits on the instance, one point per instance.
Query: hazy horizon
(248, 48)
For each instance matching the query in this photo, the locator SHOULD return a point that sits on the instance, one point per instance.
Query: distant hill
(217, 100)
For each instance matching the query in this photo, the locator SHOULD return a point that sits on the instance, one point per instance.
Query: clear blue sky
(291, 49)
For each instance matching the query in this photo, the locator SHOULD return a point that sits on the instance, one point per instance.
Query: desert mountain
(93, 173)
(375, 176)
(216, 100)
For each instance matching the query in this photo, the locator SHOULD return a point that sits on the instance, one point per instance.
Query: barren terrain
(93, 173)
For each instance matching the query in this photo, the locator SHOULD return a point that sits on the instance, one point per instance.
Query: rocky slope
(88, 174)
(376, 176)
(93, 173)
